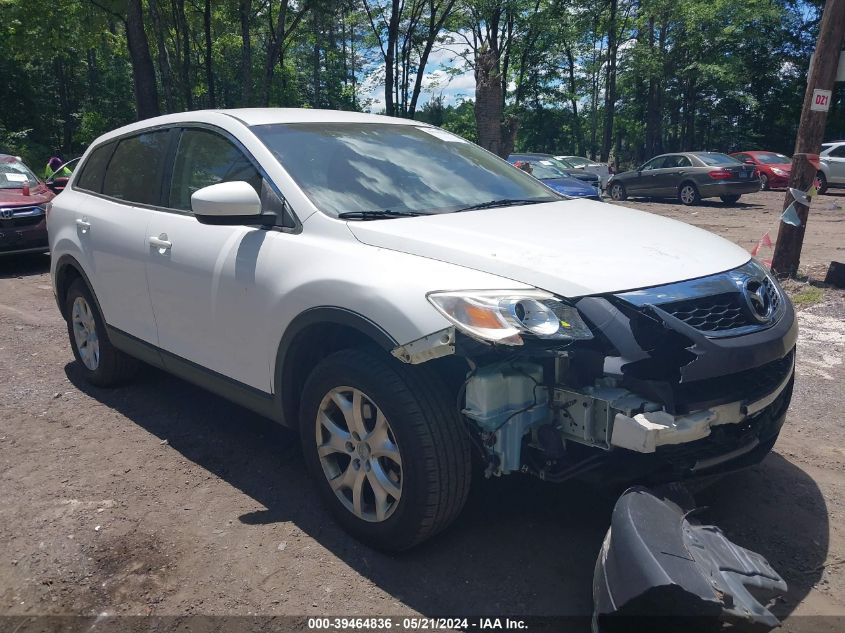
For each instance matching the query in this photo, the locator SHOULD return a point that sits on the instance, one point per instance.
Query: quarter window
(838, 152)
(135, 170)
(91, 178)
(205, 158)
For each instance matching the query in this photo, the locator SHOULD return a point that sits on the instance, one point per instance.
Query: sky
(454, 88)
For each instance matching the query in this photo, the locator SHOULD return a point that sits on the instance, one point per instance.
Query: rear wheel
(387, 447)
(617, 192)
(822, 188)
(101, 363)
(730, 199)
(688, 194)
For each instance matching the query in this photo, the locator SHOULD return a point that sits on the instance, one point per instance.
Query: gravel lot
(160, 498)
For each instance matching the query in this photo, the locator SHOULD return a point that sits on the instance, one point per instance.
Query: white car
(405, 298)
(832, 164)
(602, 170)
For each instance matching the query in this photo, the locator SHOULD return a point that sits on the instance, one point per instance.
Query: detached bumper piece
(659, 572)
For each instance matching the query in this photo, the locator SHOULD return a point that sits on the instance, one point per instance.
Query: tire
(764, 182)
(688, 194)
(822, 188)
(100, 362)
(423, 428)
(730, 199)
(618, 192)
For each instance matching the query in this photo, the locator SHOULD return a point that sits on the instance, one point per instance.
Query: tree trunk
(610, 83)
(390, 58)
(573, 97)
(209, 60)
(185, 70)
(164, 67)
(488, 101)
(245, 13)
(143, 72)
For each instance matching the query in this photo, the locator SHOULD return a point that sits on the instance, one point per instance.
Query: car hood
(15, 197)
(571, 248)
(570, 186)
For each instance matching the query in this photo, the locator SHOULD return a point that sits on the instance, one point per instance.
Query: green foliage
(704, 74)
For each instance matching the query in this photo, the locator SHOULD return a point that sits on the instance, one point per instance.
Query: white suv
(406, 299)
(831, 166)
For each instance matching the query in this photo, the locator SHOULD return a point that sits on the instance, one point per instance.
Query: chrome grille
(720, 305)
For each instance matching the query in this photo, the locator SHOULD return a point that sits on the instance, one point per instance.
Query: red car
(23, 200)
(774, 168)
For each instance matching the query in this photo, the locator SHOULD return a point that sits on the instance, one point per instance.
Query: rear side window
(839, 152)
(205, 158)
(91, 178)
(135, 170)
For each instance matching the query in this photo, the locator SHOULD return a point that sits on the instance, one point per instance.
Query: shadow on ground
(521, 546)
(23, 265)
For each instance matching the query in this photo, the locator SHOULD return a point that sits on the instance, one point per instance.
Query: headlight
(780, 172)
(503, 316)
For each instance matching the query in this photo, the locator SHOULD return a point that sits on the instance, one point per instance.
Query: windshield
(575, 161)
(360, 167)
(545, 169)
(15, 175)
(771, 158)
(714, 158)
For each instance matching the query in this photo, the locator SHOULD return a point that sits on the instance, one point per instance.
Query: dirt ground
(160, 498)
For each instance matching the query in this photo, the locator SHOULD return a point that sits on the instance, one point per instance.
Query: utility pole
(811, 132)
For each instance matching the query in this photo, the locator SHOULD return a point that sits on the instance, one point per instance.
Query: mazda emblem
(758, 299)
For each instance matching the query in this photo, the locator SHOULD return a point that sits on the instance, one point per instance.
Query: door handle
(160, 242)
(83, 224)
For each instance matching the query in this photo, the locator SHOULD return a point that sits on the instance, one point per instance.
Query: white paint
(821, 100)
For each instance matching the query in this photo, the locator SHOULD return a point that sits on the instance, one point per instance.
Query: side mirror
(229, 203)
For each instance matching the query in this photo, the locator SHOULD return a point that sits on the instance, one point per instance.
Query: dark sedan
(689, 177)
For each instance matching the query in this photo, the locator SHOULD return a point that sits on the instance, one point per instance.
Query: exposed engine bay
(683, 379)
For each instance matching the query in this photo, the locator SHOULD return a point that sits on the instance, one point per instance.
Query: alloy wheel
(85, 333)
(359, 454)
(687, 194)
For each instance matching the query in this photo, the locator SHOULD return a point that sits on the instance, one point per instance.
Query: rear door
(112, 225)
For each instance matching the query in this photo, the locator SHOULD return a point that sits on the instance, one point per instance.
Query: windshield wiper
(377, 215)
(504, 202)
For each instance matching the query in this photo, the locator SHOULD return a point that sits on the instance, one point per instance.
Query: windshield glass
(545, 169)
(15, 175)
(575, 161)
(715, 158)
(771, 158)
(356, 167)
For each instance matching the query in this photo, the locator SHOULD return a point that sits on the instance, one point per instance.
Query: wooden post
(810, 133)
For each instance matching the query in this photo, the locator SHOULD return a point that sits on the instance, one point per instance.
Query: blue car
(546, 172)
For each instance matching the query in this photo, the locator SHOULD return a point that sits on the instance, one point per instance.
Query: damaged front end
(659, 570)
(666, 383)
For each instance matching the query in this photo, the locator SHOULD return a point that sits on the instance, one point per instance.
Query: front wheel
(688, 194)
(387, 447)
(822, 188)
(730, 199)
(764, 182)
(617, 192)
